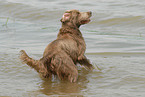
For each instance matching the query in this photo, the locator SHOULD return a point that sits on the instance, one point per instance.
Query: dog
(61, 55)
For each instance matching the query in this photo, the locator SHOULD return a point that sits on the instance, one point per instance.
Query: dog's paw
(73, 79)
(81, 57)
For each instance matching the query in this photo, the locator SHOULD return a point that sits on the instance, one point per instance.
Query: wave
(117, 53)
(120, 21)
(27, 11)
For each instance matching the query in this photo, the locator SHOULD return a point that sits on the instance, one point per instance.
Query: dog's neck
(66, 29)
(70, 24)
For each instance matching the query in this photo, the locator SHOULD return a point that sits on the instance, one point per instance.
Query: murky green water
(115, 41)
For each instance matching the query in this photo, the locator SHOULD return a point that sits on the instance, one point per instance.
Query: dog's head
(76, 18)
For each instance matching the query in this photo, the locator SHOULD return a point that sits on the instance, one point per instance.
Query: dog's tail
(29, 61)
(38, 65)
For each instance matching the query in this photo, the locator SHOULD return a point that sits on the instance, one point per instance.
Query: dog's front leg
(81, 48)
(85, 62)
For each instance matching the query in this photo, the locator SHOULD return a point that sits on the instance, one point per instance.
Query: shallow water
(115, 41)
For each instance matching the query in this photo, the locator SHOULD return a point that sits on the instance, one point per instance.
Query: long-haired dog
(61, 55)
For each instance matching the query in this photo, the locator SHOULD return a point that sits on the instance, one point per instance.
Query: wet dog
(61, 55)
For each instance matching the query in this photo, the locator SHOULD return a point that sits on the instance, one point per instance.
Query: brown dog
(61, 56)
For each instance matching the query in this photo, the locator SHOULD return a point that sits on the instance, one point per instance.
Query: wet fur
(61, 56)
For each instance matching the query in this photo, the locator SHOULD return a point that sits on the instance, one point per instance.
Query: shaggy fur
(61, 56)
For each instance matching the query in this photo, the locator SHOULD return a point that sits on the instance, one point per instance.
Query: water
(115, 41)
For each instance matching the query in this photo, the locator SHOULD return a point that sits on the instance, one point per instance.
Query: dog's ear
(65, 17)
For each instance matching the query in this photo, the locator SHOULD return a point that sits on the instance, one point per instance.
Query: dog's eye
(78, 12)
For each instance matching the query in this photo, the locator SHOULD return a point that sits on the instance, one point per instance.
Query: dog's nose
(90, 13)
